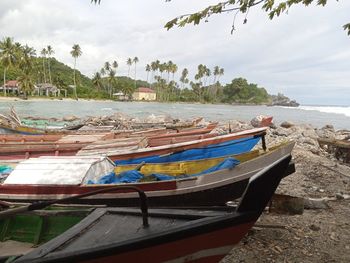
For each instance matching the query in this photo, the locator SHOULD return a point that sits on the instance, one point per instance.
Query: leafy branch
(273, 9)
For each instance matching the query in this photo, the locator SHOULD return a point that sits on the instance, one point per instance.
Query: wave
(329, 109)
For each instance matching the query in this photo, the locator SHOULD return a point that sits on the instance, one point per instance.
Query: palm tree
(115, 64)
(26, 83)
(7, 56)
(111, 81)
(174, 69)
(168, 67)
(75, 52)
(129, 63)
(207, 73)
(184, 78)
(96, 80)
(44, 53)
(162, 68)
(148, 69)
(26, 58)
(216, 73)
(107, 66)
(49, 52)
(221, 73)
(153, 68)
(135, 60)
(103, 71)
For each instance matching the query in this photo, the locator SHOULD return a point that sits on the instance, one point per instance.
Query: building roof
(145, 90)
(12, 83)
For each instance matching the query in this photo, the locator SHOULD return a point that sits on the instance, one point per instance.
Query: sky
(304, 54)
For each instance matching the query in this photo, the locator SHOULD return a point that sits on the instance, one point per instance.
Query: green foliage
(271, 7)
(240, 91)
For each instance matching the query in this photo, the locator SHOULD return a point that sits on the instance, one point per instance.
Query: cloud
(303, 54)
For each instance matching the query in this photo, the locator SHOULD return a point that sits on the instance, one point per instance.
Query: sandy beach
(33, 99)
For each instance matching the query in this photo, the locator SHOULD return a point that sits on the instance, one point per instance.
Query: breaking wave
(329, 109)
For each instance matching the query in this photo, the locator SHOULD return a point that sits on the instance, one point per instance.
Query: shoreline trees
(75, 52)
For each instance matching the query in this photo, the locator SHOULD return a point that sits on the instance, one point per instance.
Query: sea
(318, 116)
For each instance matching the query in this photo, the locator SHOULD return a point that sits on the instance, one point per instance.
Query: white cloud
(303, 54)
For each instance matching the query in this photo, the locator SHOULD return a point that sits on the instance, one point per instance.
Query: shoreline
(2, 98)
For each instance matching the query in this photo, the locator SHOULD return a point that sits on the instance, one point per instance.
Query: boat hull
(210, 189)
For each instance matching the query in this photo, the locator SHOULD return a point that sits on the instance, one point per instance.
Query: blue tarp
(134, 175)
(212, 151)
(5, 169)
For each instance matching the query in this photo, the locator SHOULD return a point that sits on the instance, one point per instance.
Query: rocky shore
(322, 232)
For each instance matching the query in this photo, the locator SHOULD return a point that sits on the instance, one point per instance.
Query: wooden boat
(203, 147)
(190, 167)
(65, 147)
(165, 235)
(208, 189)
(25, 146)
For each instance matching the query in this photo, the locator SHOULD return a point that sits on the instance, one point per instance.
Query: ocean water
(318, 116)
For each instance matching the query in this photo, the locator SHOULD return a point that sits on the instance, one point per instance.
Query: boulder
(287, 124)
(70, 118)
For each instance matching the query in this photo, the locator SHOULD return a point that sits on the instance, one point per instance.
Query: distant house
(143, 93)
(47, 89)
(11, 86)
(121, 96)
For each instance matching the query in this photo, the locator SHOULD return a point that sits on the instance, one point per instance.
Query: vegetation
(271, 7)
(21, 63)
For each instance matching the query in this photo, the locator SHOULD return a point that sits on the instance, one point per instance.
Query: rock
(310, 133)
(70, 118)
(314, 227)
(287, 124)
(286, 204)
(339, 196)
(261, 121)
(312, 203)
(281, 100)
(328, 127)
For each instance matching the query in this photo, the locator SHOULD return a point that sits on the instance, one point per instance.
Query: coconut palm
(174, 69)
(107, 66)
(221, 73)
(129, 63)
(154, 69)
(115, 64)
(184, 79)
(103, 71)
(135, 60)
(168, 67)
(75, 52)
(162, 68)
(26, 58)
(97, 80)
(7, 56)
(111, 81)
(49, 52)
(26, 83)
(216, 73)
(148, 69)
(43, 54)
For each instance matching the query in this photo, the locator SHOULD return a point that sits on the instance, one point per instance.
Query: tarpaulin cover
(5, 169)
(134, 175)
(212, 151)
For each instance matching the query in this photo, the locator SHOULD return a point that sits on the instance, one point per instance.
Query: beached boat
(233, 143)
(17, 147)
(181, 168)
(165, 235)
(51, 178)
